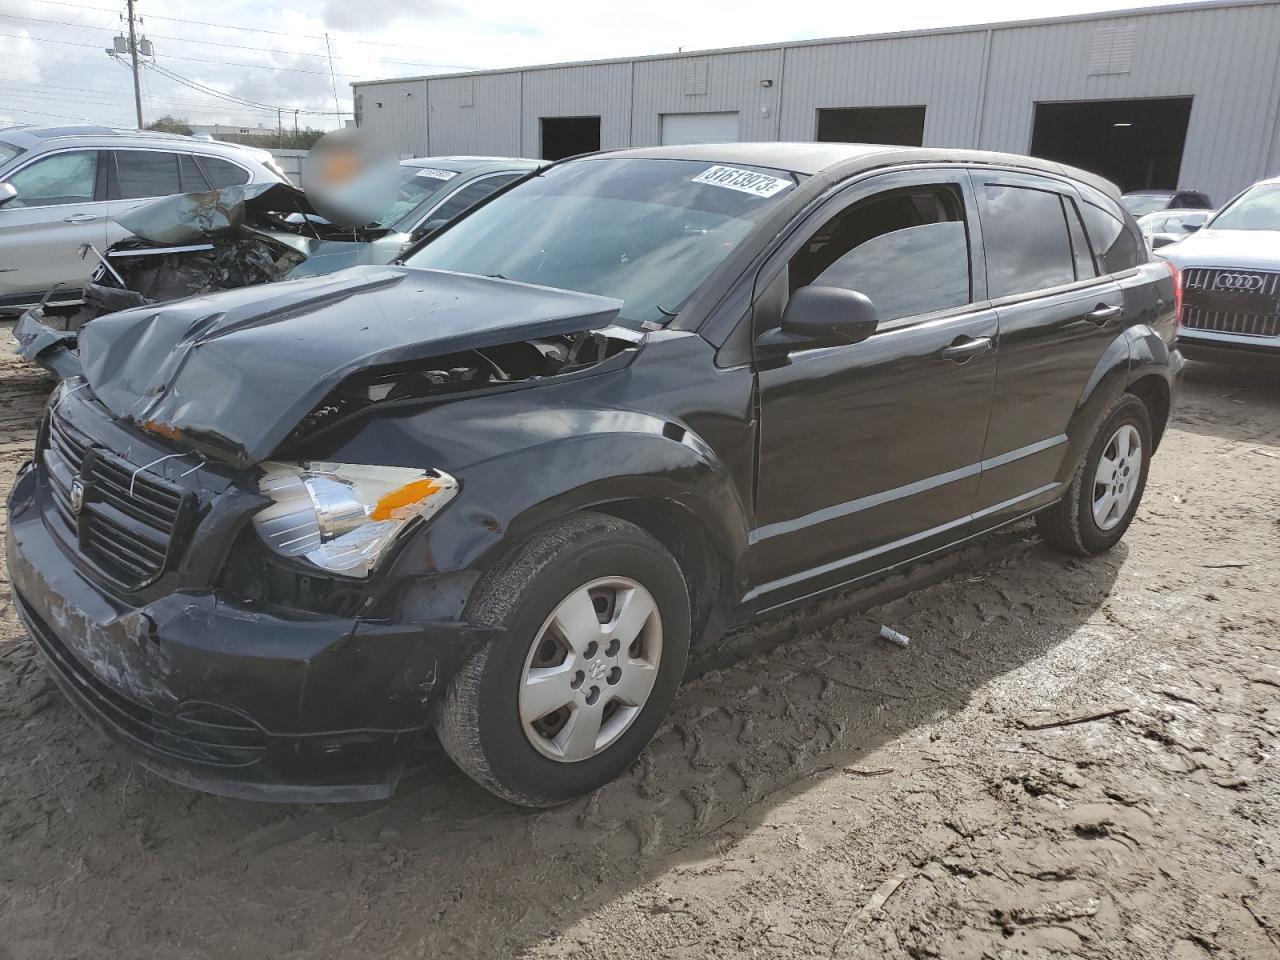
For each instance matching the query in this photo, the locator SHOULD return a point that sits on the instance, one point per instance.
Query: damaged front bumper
(227, 697)
(39, 342)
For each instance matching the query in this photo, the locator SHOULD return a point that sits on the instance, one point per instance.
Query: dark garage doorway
(903, 126)
(1137, 144)
(566, 136)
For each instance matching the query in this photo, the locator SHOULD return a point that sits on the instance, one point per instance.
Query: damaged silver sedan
(198, 243)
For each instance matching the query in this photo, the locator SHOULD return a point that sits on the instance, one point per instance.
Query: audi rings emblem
(1239, 282)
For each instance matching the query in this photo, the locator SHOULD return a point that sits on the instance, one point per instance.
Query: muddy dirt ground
(818, 792)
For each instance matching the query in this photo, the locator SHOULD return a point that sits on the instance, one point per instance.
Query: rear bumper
(226, 698)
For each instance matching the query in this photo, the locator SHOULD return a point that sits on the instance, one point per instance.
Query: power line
(222, 95)
(278, 33)
(241, 46)
(60, 116)
(173, 56)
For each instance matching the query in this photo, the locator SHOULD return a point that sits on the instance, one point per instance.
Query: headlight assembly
(341, 517)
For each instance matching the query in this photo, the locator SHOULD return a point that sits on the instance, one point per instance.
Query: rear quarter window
(222, 173)
(1115, 246)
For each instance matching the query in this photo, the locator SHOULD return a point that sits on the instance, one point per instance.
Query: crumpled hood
(1227, 248)
(197, 217)
(232, 373)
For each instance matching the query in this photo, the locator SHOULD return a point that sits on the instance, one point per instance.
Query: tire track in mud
(738, 831)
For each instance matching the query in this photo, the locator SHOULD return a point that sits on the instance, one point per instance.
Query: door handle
(80, 218)
(1103, 313)
(965, 347)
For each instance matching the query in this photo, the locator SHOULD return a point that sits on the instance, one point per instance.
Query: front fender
(643, 459)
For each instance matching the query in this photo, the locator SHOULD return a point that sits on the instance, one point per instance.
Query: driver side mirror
(7, 192)
(822, 317)
(427, 229)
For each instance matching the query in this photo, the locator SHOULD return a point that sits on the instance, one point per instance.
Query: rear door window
(141, 174)
(907, 250)
(1027, 241)
(222, 173)
(62, 178)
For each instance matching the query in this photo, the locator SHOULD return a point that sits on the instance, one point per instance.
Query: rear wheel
(596, 618)
(1104, 494)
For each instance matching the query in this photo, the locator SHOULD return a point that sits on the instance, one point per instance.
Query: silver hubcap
(1116, 480)
(591, 669)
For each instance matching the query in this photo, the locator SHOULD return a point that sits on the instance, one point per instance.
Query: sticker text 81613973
(744, 181)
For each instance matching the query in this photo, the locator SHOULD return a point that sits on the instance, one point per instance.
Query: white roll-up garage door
(680, 128)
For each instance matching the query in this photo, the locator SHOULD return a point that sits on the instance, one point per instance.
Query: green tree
(168, 124)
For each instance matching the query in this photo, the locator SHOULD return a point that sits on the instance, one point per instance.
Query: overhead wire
(279, 33)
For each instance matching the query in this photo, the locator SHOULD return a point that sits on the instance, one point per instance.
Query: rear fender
(1107, 381)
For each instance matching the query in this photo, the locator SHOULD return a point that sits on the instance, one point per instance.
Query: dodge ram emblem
(1240, 282)
(77, 495)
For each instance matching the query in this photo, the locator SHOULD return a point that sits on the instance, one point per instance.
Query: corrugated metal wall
(1226, 58)
(980, 87)
(941, 71)
(727, 81)
(475, 114)
(602, 90)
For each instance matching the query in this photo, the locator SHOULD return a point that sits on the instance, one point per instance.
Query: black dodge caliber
(275, 536)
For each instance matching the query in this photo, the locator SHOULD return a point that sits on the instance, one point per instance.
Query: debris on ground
(894, 637)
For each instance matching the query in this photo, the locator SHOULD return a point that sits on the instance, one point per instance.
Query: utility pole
(279, 127)
(295, 128)
(133, 52)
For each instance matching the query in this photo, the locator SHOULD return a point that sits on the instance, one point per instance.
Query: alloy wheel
(1115, 482)
(590, 669)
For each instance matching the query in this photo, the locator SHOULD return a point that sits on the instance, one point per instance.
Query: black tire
(479, 720)
(1069, 525)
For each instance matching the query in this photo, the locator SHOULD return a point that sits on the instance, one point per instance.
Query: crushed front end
(221, 667)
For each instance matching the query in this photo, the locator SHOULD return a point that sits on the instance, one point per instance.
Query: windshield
(646, 232)
(1143, 203)
(417, 185)
(1258, 208)
(7, 152)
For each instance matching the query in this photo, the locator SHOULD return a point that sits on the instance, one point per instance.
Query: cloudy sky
(53, 64)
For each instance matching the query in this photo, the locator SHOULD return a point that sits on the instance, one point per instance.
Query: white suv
(61, 187)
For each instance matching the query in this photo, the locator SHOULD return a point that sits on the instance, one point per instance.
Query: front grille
(202, 733)
(128, 516)
(1245, 302)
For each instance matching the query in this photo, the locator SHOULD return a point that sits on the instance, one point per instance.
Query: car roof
(1155, 215)
(30, 135)
(466, 164)
(847, 158)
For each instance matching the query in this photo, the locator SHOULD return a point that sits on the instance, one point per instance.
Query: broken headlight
(342, 517)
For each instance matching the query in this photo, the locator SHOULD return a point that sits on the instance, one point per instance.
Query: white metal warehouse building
(1180, 96)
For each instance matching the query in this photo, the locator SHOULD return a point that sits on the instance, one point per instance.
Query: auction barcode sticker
(435, 174)
(744, 181)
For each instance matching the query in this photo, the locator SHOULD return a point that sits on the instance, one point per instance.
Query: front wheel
(1104, 494)
(596, 619)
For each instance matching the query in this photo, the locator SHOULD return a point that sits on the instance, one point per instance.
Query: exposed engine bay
(465, 372)
(197, 243)
(158, 274)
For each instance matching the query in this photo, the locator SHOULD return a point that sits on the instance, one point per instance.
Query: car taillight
(1177, 295)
